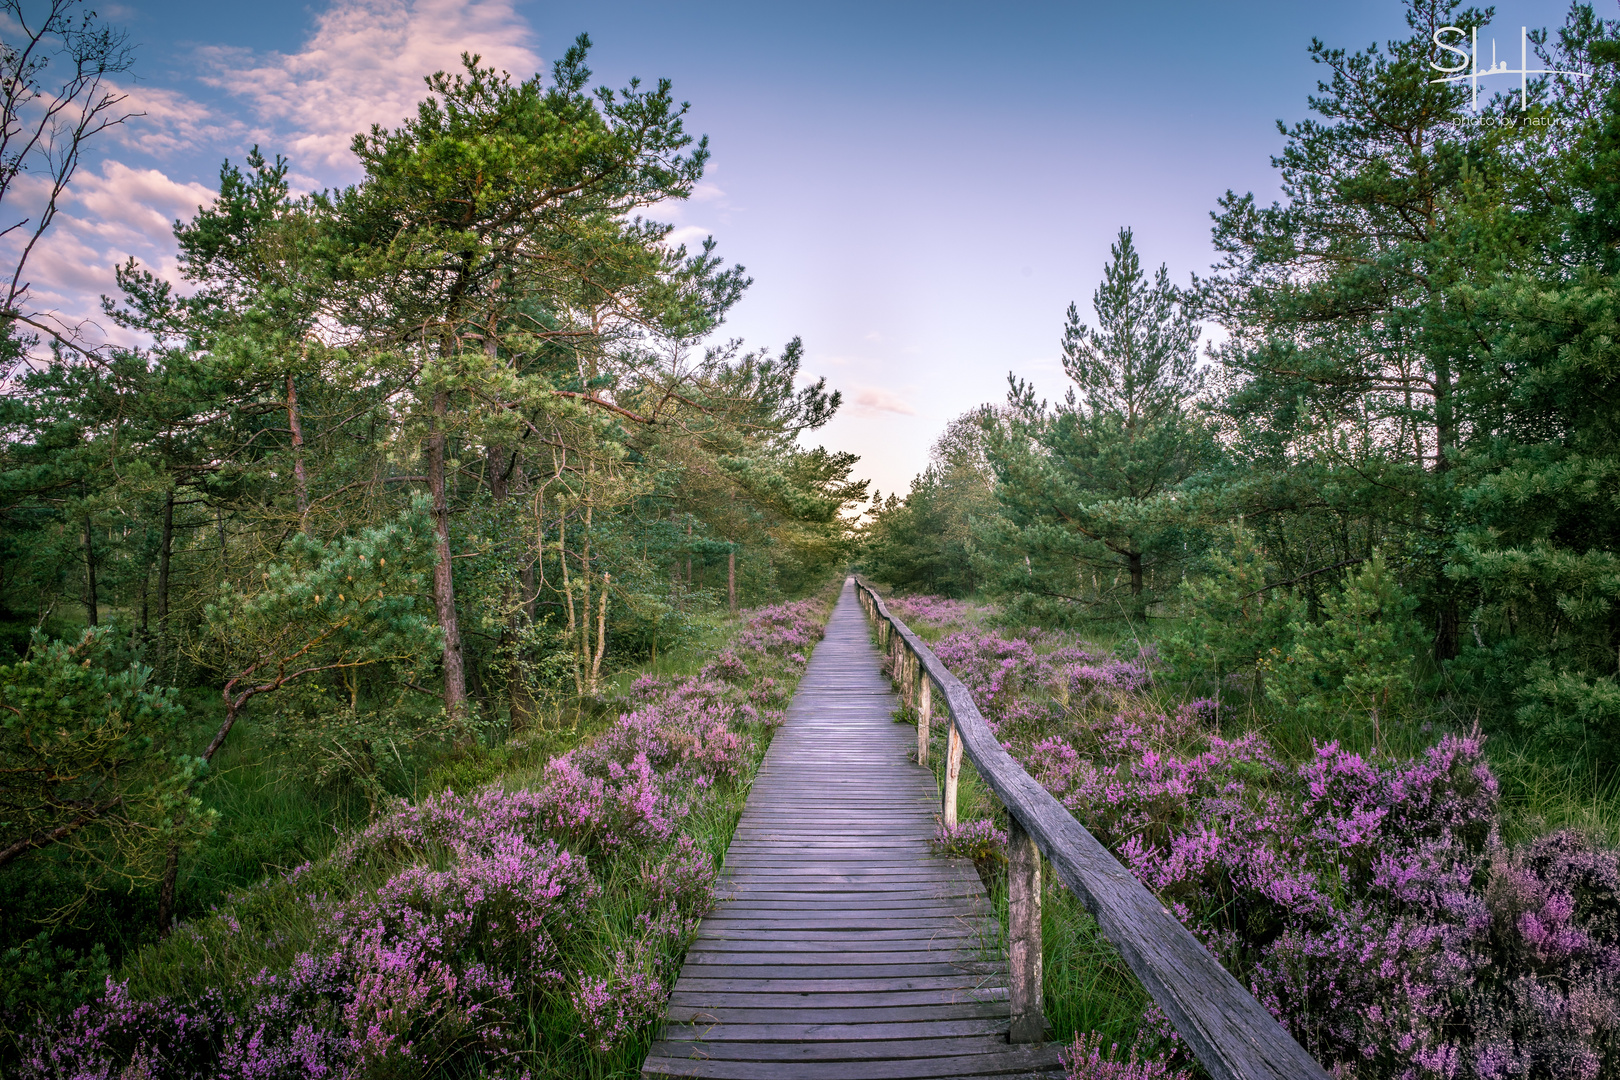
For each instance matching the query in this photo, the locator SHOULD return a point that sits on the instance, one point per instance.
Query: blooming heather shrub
(980, 841)
(726, 667)
(485, 908)
(936, 610)
(614, 1007)
(1085, 1060)
(1367, 902)
(1552, 1001)
(683, 879)
(1003, 675)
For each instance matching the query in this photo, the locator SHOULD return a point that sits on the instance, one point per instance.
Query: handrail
(1228, 1031)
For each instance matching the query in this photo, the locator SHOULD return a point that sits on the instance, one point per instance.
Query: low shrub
(497, 932)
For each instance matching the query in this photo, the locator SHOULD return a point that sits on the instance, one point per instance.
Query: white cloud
(107, 217)
(871, 400)
(169, 121)
(364, 65)
(690, 235)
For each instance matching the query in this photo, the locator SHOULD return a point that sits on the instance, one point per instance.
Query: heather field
(526, 927)
(1372, 900)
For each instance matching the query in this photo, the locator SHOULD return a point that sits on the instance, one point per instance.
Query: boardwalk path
(846, 950)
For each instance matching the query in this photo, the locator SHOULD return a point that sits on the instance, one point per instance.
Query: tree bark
(165, 552)
(92, 615)
(300, 478)
(171, 868)
(1133, 560)
(1447, 632)
(601, 635)
(503, 466)
(171, 875)
(444, 591)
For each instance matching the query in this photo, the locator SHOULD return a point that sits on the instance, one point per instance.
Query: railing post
(925, 713)
(953, 770)
(1024, 934)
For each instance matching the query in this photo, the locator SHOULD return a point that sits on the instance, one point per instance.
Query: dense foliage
(400, 480)
(1413, 370)
(1358, 569)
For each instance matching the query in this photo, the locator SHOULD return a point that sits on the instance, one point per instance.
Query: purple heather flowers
(482, 911)
(1369, 903)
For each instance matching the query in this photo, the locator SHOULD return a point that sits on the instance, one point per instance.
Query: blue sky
(919, 190)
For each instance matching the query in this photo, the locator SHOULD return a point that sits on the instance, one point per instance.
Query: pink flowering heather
(935, 610)
(683, 879)
(1367, 902)
(976, 840)
(1085, 1060)
(614, 1007)
(485, 906)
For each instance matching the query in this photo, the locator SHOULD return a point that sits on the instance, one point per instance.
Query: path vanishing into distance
(844, 948)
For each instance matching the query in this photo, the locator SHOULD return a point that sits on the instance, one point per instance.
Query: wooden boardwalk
(845, 949)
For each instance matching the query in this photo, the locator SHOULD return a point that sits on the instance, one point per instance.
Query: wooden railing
(1230, 1033)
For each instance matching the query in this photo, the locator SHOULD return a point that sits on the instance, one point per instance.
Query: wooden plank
(1007, 1061)
(814, 1042)
(836, 1014)
(855, 1002)
(919, 1029)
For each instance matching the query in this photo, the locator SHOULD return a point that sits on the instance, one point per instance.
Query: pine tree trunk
(300, 478)
(503, 466)
(92, 615)
(165, 553)
(171, 874)
(1133, 560)
(1447, 632)
(444, 591)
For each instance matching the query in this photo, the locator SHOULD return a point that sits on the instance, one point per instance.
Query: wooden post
(1024, 934)
(953, 770)
(925, 712)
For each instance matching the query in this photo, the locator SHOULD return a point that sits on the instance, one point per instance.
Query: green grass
(1086, 985)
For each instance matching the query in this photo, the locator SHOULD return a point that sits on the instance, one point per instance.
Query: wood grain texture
(1231, 1034)
(843, 946)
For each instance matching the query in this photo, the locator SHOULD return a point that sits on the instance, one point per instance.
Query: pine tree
(1088, 489)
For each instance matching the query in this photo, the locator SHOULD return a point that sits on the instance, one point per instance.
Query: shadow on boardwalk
(845, 949)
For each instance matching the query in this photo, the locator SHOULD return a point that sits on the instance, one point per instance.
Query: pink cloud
(364, 65)
(871, 400)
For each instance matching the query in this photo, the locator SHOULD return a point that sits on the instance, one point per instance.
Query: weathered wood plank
(836, 1014)
(1006, 1061)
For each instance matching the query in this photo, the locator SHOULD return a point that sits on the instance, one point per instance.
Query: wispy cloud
(108, 216)
(168, 121)
(871, 400)
(363, 65)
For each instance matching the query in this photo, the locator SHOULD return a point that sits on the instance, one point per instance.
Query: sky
(918, 190)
